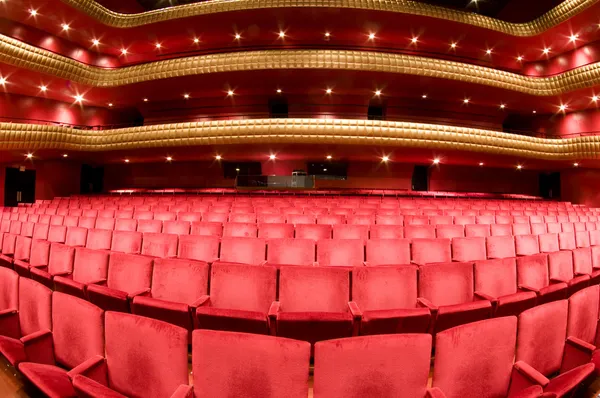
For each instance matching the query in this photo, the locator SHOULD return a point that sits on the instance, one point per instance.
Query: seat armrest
(183, 391)
(273, 310)
(483, 296)
(143, 292)
(7, 313)
(580, 273)
(93, 368)
(581, 345)
(203, 300)
(528, 374)
(577, 352)
(9, 323)
(434, 393)
(529, 288)
(99, 282)
(38, 347)
(63, 273)
(263, 263)
(356, 312)
(557, 280)
(424, 303)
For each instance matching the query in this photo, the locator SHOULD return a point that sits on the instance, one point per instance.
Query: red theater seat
(207, 228)
(425, 251)
(464, 220)
(126, 242)
(386, 299)
(189, 216)
(243, 250)
(271, 218)
(60, 263)
(241, 299)
(447, 290)
(486, 362)
(199, 248)
(275, 231)
(22, 252)
(176, 227)
(468, 249)
(341, 252)
(291, 252)
(40, 253)
(582, 264)
(283, 364)
(387, 252)
(153, 226)
(105, 223)
(560, 268)
(582, 239)
(538, 229)
(134, 365)
(89, 266)
(386, 232)
(330, 219)
(159, 245)
(520, 229)
(501, 229)
(177, 286)
(345, 231)
(533, 275)
(33, 318)
(313, 231)
(9, 301)
(373, 366)
(477, 230)
(245, 230)
(389, 219)
(314, 304)
(419, 232)
(129, 275)
(496, 281)
(450, 231)
(76, 339)
(126, 224)
(500, 247)
(300, 219)
(541, 343)
(526, 245)
(164, 215)
(548, 243)
(566, 241)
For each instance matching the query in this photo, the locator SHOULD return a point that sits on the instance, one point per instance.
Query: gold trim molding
(19, 54)
(28, 137)
(552, 18)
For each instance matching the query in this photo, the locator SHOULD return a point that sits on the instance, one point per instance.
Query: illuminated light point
(95, 42)
(281, 34)
(124, 51)
(546, 50)
(466, 100)
(573, 38)
(65, 155)
(453, 45)
(196, 40)
(519, 167)
(110, 104)
(563, 107)
(230, 93)
(79, 98)
(534, 111)
(218, 157)
(2, 81)
(279, 91)
(385, 159)
(502, 106)
(328, 91)
(145, 99)
(186, 96)
(43, 88)
(238, 36)
(237, 169)
(329, 157)
(169, 158)
(424, 96)
(29, 155)
(378, 93)
(488, 51)
(33, 12)
(575, 164)
(327, 34)
(126, 160)
(595, 98)
(65, 27)
(371, 36)
(414, 40)
(272, 157)
(436, 161)
(158, 45)
(481, 163)
(519, 58)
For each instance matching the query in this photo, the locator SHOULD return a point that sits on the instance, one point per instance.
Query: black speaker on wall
(278, 108)
(92, 179)
(550, 185)
(420, 178)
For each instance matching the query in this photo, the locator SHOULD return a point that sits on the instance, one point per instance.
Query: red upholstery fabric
(468, 249)
(313, 231)
(582, 261)
(521, 229)
(374, 366)
(340, 252)
(98, 239)
(240, 297)
(237, 229)
(386, 232)
(53, 381)
(387, 298)
(76, 236)
(389, 220)
(243, 250)
(450, 231)
(149, 226)
(566, 241)
(176, 227)
(60, 262)
(127, 242)
(501, 230)
(500, 247)
(136, 351)
(583, 314)
(272, 367)
(476, 360)
(526, 245)
(538, 229)
(9, 293)
(425, 251)
(125, 224)
(57, 234)
(105, 223)
(532, 272)
(355, 231)
(291, 252)
(419, 231)
(35, 303)
(548, 243)
(477, 230)
(275, 231)
(582, 239)
(199, 248)
(159, 245)
(388, 251)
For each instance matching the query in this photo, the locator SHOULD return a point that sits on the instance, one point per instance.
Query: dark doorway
(92, 179)
(19, 186)
(420, 178)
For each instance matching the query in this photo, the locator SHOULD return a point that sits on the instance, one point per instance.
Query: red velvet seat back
(189, 216)
(176, 227)
(566, 241)
(425, 251)
(313, 231)
(98, 239)
(35, 303)
(560, 265)
(450, 231)
(378, 231)
(9, 293)
(533, 271)
(582, 261)
(314, 289)
(243, 287)
(90, 265)
(388, 251)
(165, 215)
(583, 314)
(419, 231)
(548, 243)
(129, 273)
(476, 360)
(145, 357)
(354, 231)
(541, 337)
(526, 245)
(500, 247)
(205, 228)
(249, 218)
(126, 242)
(61, 259)
(477, 230)
(275, 231)
(87, 222)
(446, 284)
(389, 220)
(76, 236)
(496, 277)
(291, 251)
(105, 223)
(385, 288)
(78, 330)
(272, 366)
(159, 245)
(57, 234)
(22, 248)
(372, 366)
(243, 250)
(300, 218)
(341, 252)
(153, 226)
(468, 249)
(125, 224)
(200, 248)
(40, 231)
(180, 281)
(236, 229)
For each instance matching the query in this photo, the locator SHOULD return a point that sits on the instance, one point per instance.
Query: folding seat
(341, 252)
(87, 222)
(383, 231)
(567, 227)
(105, 223)
(128, 275)
(165, 216)
(206, 228)
(199, 248)
(583, 265)
(126, 242)
(550, 219)
(554, 228)
(57, 233)
(360, 220)
(496, 281)
(477, 230)
(387, 252)
(317, 211)
(76, 236)
(582, 327)
(122, 213)
(275, 231)
(560, 269)
(441, 220)
(243, 250)
(495, 348)
(536, 219)
(468, 249)
(386, 300)
(218, 210)
(533, 275)
(538, 229)
(419, 231)
(144, 226)
(189, 216)
(40, 253)
(500, 247)
(242, 218)
(143, 214)
(233, 229)
(590, 226)
(60, 262)
(71, 221)
(160, 208)
(561, 218)
(464, 220)
(33, 218)
(313, 304)
(106, 214)
(176, 227)
(75, 212)
(283, 363)
(51, 211)
(137, 347)
(548, 243)
(416, 220)
(98, 239)
(501, 229)
(241, 298)
(290, 252)
(520, 219)
(366, 211)
(579, 226)
(447, 290)
(22, 253)
(215, 217)
(566, 241)
(270, 218)
(542, 343)
(26, 318)
(425, 251)
(389, 219)
(449, 231)
(9, 300)
(300, 219)
(485, 219)
(199, 208)
(89, 267)
(582, 239)
(341, 211)
(344, 231)
(526, 245)
(330, 219)
(159, 245)
(518, 229)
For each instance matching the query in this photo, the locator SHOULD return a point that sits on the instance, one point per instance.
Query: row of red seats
(68, 347)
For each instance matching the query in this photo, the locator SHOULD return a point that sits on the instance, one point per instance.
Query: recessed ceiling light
(481, 163)
(29, 155)
(488, 51)
(272, 157)
(158, 45)
(385, 159)
(238, 36)
(453, 45)
(595, 98)
(414, 40)
(65, 155)
(126, 160)
(169, 158)
(95, 42)
(466, 100)
(502, 106)
(575, 164)
(2, 81)
(230, 93)
(43, 88)
(218, 157)
(519, 167)
(33, 12)
(378, 93)
(237, 169)
(327, 34)
(329, 91)
(79, 98)
(424, 96)
(534, 111)
(196, 40)
(371, 36)
(519, 58)
(279, 91)
(436, 161)
(281, 34)
(563, 107)
(124, 51)
(65, 27)
(329, 157)
(573, 38)
(546, 50)
(110, 104)
(145, 99)
(186, 96)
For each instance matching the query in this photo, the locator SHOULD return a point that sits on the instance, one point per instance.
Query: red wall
(581, 186)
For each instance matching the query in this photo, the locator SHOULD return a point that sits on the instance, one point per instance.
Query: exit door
(19, 186)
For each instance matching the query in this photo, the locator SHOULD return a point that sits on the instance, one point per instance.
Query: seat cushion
(556, 291)
(565, 383)
(51, 380)
(69, 286)
(167, 311)
(449, 316)
(88, 388)
(514, 304)
(232, 320)
(108, 299)
(412, 320)
(314, 326)
(13, 350)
